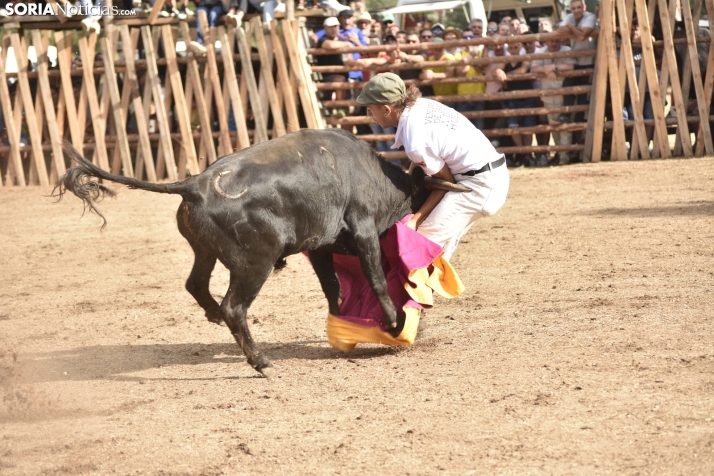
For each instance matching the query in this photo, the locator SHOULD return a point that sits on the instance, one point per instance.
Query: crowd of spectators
(358, 28)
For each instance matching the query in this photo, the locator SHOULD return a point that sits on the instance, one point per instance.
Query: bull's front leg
(325, 270)
(366, 243)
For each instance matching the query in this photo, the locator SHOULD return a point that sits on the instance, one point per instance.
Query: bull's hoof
(217, 320)
(268, 371)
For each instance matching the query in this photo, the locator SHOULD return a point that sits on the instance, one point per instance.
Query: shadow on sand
(112, 362)
(685, 209)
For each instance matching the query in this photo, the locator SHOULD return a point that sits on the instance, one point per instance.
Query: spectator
(548, 70)
(514, 122)
(387, 20)
(492, 29)
(647, 111)
(401, 37)
(392, 29)
(425, 35)
(376, 29)
(214, 10)
(515, 24)
(412, 57)
(348, 33)
(471, 71)
(364, 23)
(476, 27)
(440, 72)
(452, 34)
(331, 40)
(438, 30)
(581, 24)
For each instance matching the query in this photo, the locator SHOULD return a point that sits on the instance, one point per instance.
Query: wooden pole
(203, 113)
(161, 118)
(650, 66)
(212, 73)
(266, 71)
(38, 157)
(13, 134)
(293, 123)
(48, 102)
(182, 112)
(261, 129)
(708, 83)
(702, 103)
(229, 74)
(119, 118)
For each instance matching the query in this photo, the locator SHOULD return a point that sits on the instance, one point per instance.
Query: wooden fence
(142, 110)
(150, 114)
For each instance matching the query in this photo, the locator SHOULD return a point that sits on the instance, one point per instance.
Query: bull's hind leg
(325, 270)
(197, 285)
(243, 289)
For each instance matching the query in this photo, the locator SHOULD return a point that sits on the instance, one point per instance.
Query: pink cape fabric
(403, 251)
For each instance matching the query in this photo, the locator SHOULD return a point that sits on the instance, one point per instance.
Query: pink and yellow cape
(414, 267)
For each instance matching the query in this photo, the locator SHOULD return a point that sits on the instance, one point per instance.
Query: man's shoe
(542, 161)
(564, 119)
(197, 48)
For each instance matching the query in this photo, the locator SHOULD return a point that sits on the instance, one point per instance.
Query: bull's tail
(78, 181)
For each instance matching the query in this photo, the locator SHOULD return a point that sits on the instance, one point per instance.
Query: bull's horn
(432, 183)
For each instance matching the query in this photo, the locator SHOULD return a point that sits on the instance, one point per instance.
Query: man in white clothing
(446, 145)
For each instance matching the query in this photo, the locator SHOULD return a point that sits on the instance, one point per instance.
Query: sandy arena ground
(582, 345)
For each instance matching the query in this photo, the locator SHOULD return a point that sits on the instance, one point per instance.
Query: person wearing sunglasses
(438, 30)
(425, 35)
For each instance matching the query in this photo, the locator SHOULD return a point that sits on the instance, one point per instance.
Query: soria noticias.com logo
(67, 9)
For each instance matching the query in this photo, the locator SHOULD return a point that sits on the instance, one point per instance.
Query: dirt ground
(582, 345)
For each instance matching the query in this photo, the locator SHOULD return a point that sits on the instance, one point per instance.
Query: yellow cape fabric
(440, 277)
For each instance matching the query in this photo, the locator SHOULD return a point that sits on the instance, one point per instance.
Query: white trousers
(457, 211)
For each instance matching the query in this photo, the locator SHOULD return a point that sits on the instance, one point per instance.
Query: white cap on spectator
(331, 21)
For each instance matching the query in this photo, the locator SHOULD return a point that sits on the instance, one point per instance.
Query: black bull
(318, 191)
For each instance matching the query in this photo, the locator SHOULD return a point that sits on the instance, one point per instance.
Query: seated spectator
(440, 72)
(514, 122)
(548, 70)
(214, 10)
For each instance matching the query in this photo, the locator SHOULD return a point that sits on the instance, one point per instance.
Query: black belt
(493, 165)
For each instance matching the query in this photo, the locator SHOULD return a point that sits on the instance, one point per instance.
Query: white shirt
(434, 135)
(589, 20)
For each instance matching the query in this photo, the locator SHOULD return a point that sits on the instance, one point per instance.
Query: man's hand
(500, 76)
(426, 74)
(552, 76)
(352, 36)
(412, 223)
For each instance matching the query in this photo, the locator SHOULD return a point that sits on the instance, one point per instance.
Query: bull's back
(294, 190)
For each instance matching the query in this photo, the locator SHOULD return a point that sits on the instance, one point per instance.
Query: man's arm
(432, 201)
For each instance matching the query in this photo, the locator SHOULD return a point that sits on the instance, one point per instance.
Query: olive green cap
(385, 88)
